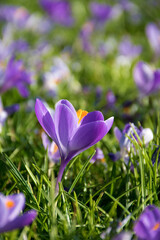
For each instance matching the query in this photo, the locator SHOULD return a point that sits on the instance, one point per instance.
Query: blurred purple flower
(85, 36)
(72, 132)
(101, 12)
(123, 236)
(145, 134)
(38, 24)
(53, 152)
(14, 14)
(58, 73)
(146, 79)
(5, 112)
(127, 5)
(153, 34)
(132, 9)
(18, 46)
(110, 98)
(59, 11)
(8, 49)
(98, 96)
(98, 156)
(147, 226)
(10, 208)
(14, 76)
(127, 49)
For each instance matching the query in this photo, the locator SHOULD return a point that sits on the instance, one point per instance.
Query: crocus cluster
(145, 134)
(72, 132)
(146, 79)
(10, 209)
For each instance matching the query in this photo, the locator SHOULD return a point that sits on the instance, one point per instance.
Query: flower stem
(59, 177)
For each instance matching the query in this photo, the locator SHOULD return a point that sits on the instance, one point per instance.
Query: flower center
(10, 204)
(156, 226)
(81, 114)
(55, 149)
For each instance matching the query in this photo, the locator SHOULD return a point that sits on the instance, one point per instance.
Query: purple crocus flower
(127, 49)
(59, 11)
(101, 12)
(153, 34)
(146, 79)
(18, 46)
(15, 76)
(72, 132)
(38, 24)
(98, 156)
(85, 36)
(53, 152)
(145, 135)
(123, 236)
(110, 98)
(58, 73)
(10, 208)
(5, 112)
(14, 14)
(147, 226)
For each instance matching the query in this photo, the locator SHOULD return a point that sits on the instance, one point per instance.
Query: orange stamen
(56, 81)
(10, 204)
(81, 114)
(126, 110)
(103, 160)
(156, 226)
(55, 149)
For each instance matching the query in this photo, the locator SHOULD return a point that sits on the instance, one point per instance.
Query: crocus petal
(66, 123)
(87, 135)
(45, 120)
(92, 117)
(12, 109)
(147, 135)
(20, 221)
(109, 123)
(117, 133)
(3, 211)
(114, 156)
(22, 90)
(153, 34)
(45, 140)
(19, 203)
(156, 80)
(68, 104)
(143, 77)
(149, 218)
(123, 236)
(53, 155)
(141, 230)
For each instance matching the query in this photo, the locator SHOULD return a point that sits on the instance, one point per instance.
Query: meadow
(79, 120)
